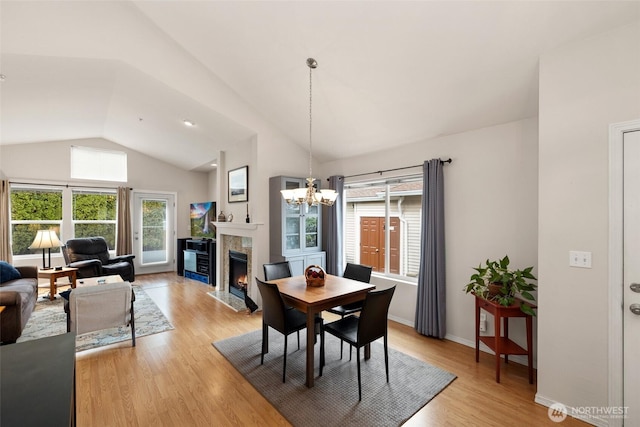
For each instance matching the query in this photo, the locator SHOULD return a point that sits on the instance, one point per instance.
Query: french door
(631, 278)
(154, 232)
(624, 274)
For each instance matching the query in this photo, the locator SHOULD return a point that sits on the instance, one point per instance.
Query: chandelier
(309, 194)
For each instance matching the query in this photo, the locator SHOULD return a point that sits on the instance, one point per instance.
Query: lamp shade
(45, 239)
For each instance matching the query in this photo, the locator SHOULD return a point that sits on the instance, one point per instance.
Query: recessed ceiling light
(3, 77)
(214, 165)
(188, 123)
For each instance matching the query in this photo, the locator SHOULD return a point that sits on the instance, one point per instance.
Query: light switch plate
(580, 259)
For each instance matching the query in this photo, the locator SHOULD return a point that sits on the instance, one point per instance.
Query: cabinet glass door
(292, 219)
(311, 227)
(301, 222)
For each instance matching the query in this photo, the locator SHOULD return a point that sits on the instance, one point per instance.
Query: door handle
(635, 309)
(635, 287)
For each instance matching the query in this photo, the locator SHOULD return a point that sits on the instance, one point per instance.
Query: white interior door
(631, 281)
(154, 232)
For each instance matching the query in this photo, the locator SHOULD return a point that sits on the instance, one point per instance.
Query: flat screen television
(202, 217)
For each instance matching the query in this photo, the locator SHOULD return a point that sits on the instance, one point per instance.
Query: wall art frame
(238, 184)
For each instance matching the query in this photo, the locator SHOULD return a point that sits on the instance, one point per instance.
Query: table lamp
(45, 239)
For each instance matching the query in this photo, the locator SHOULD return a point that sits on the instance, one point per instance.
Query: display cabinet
(296, 233)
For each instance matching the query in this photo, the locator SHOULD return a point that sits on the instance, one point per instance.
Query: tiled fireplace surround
(239, 237)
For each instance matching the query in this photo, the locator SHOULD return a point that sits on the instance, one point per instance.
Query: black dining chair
(284, 320)
(280, 270)
(361, 273)
(276, 270)
(362, 330)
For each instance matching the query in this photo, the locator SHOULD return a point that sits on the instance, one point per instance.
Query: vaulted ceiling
(390, 72)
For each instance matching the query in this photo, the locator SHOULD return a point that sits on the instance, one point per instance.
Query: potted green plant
(495, 281)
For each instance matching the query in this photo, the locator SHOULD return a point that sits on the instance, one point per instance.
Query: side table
(54, 275)
(502, 344)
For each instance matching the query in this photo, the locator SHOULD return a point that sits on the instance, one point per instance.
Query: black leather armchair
(90, 255)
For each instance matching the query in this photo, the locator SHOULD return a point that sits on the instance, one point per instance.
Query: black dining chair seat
(362, 330)
(283, 319)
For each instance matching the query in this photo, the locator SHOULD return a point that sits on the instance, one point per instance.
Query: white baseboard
(399, 320)
(593, 420)
(519, 359)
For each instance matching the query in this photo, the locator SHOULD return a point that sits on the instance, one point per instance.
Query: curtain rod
(393, 170)
(63, 185)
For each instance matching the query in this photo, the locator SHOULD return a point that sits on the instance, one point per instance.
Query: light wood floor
(178, 378)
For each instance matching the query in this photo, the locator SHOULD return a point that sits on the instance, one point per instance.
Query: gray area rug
(334, 399)
(49, 319)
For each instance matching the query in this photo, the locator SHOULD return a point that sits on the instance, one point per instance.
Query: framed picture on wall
(239, 185)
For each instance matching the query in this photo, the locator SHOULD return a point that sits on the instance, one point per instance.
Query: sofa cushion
(8, 272)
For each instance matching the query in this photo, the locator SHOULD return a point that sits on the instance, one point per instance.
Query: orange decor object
(314, 274)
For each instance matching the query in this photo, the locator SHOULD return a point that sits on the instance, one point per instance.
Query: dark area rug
(334, 399)
(49, 319)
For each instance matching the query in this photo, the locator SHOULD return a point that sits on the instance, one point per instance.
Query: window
(394, 249)
(33, 210)
(97, 164)
(94, 214)
(71, 212)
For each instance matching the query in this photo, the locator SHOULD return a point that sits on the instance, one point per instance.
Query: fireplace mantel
(236, 227)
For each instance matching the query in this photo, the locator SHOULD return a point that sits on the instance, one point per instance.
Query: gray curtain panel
(5, 223)
(431, 311)
(334, 224)
(124, 245)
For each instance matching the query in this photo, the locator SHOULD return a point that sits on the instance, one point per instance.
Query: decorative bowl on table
(315, 275)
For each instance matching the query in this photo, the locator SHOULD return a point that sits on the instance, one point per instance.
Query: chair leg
(298, 332)
(359, 377)
(284, 365)
(342, 344)
(264, 343)
(321, 348)
(133, 327)
(386, 357)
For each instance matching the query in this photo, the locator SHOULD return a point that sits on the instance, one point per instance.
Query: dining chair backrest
(272, 306)
(276, 270)
(373, 317)
(359, 272)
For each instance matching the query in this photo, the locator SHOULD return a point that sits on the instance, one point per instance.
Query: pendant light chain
(310, 122)
(308, 194)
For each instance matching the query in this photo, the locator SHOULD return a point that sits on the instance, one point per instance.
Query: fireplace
(238, 279)
(243, 238)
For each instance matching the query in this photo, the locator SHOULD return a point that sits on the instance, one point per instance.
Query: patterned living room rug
(333, 401)
(49, 319)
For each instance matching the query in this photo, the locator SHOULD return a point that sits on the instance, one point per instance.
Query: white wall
(50, 162)
(491, 193)
(584, 87)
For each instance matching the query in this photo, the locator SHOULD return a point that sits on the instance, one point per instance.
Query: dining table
(314, 299)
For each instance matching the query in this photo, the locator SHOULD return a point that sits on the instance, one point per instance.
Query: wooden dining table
(311, 300)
